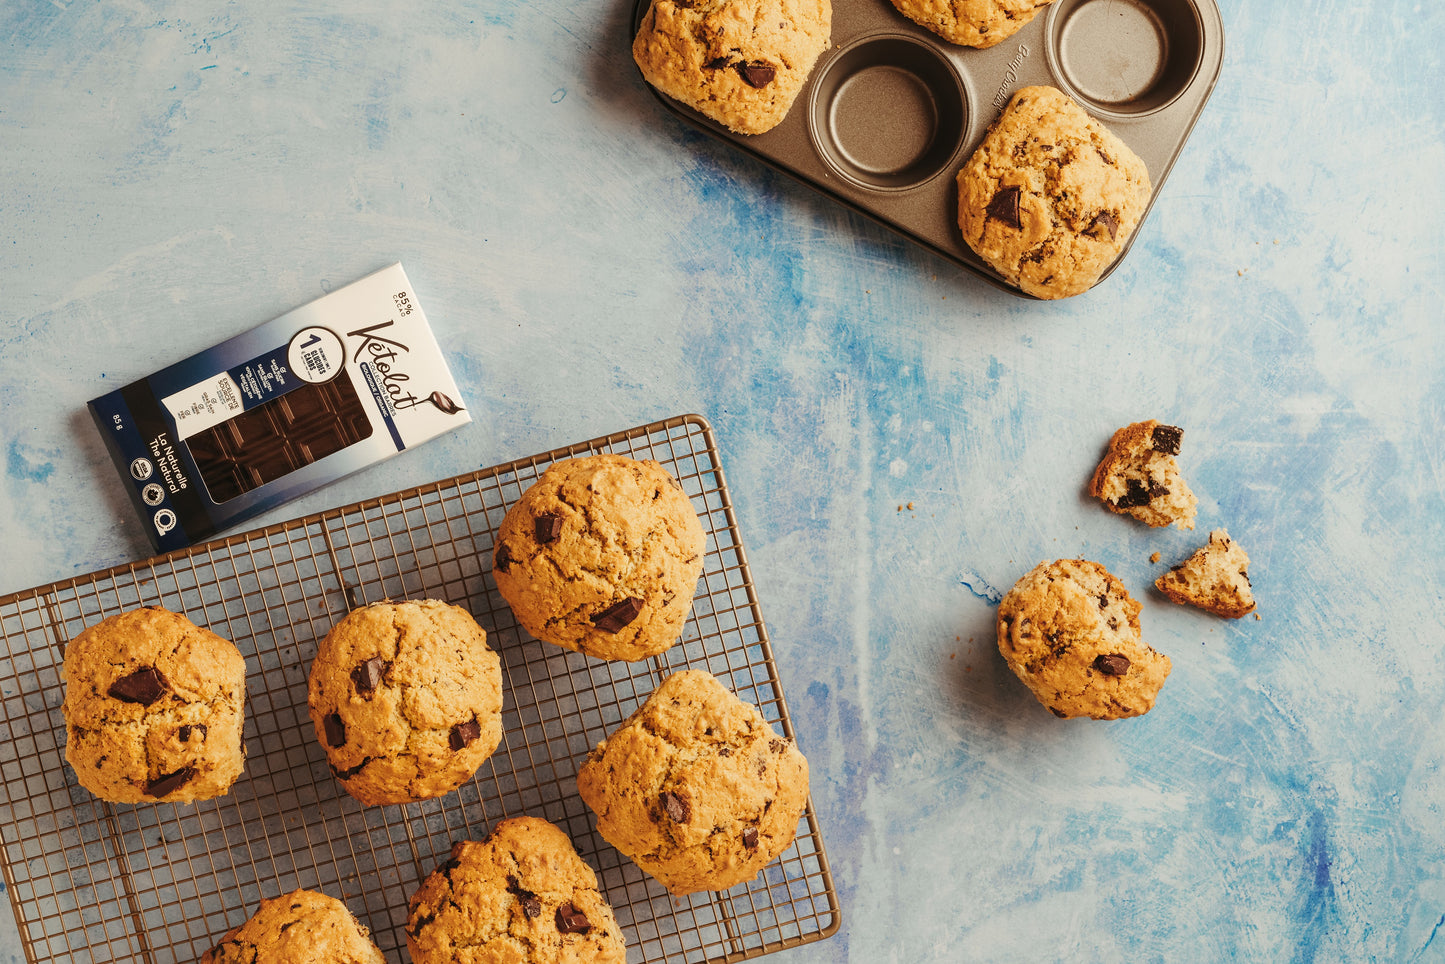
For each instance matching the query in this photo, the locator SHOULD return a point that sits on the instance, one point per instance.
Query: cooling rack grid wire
(92, 881)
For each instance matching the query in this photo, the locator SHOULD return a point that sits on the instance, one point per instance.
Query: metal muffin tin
(891, 112)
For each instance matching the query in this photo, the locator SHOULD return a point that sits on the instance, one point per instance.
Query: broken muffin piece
(1215, 578)
(1139, 477)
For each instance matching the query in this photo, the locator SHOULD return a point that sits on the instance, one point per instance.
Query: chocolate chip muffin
(1050, 198)
(601, 555)
(972, 23)
(154, 706)
(406, 698)
(1070, 631)
(695, 786)
(1139, 477)
(521, 895)
(299, 928)
(1215, 578)
(739, 62)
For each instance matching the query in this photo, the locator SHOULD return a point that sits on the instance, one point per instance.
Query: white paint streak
(845, 425)
(141, 260)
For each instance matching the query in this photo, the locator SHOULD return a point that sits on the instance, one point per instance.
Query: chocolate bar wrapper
(326, 389)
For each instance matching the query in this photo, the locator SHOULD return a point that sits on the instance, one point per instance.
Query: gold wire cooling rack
(93, 881)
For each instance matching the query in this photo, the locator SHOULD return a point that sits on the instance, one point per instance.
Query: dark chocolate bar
(290, 431)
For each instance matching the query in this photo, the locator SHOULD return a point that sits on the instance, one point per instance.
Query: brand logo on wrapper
(165, 521)
(384, 352)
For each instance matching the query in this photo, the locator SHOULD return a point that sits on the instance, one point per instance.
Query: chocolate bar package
(338, 384)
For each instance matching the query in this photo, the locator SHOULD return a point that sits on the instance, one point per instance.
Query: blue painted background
(902, 441)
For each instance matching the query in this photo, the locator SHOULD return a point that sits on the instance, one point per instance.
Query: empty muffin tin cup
(1125, 58)
(887, 113)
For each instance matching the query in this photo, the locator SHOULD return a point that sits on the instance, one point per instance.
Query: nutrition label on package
(204, 404)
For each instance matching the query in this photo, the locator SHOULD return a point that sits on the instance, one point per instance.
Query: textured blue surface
(901, 440)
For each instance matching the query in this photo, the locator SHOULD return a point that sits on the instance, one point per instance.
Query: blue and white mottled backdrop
(902, 441)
